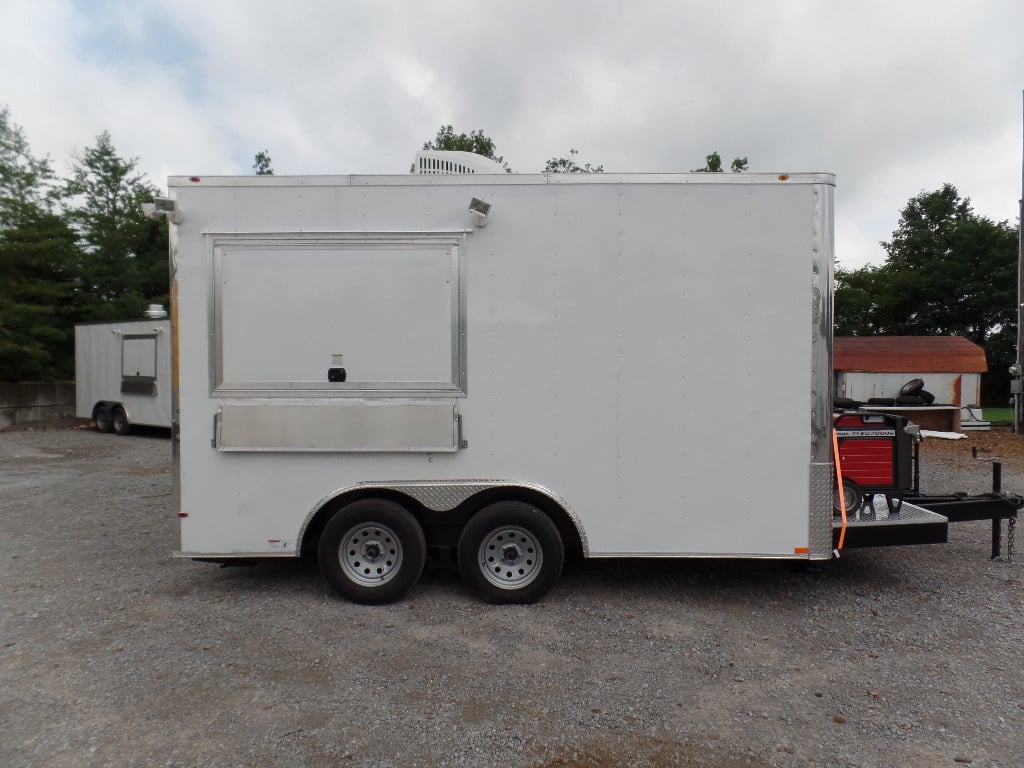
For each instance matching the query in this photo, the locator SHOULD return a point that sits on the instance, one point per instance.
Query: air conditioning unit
(436, 161)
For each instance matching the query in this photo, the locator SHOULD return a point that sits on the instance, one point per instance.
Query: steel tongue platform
(880, 456)
(889, 522)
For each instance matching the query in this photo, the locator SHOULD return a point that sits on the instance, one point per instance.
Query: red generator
(876, 455)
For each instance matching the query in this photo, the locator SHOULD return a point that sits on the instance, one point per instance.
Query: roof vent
(436, 161)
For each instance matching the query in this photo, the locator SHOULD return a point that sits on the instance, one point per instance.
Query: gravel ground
(113, 653)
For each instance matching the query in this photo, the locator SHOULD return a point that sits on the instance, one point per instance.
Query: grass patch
(998, 414)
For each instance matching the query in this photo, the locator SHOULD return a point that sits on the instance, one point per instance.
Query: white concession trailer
(123, 374)
(490, 369)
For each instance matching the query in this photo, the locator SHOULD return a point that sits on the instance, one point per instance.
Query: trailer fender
(112, 416)
(447, 496)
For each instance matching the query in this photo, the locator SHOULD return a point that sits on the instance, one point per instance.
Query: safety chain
(1011, 526)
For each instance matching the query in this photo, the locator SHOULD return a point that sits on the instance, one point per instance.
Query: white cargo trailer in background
(123, 374)
(625, 365)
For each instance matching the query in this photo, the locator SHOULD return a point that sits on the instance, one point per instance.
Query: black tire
(912, 387)
(121, 424)
(927, 396)
(372, 551)
(510, 552)
(881, 401)
(854, 498)
(103, 418)
(846, 403)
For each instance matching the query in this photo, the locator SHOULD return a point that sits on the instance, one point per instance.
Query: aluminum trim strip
(419, 426)
(172, 245)
(822, 260)
(704, 556)
(821, 309)
(234, 555)
(425, 390)
(505, 179)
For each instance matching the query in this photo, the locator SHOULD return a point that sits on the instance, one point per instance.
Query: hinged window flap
(367, 314)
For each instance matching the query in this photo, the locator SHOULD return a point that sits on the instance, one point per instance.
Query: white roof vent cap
(434, 161)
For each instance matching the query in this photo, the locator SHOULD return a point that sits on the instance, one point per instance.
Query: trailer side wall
(642, 348)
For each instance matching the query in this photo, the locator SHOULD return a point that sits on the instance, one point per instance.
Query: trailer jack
(961, 507)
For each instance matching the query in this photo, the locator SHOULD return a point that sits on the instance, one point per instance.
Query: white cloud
(894, 98)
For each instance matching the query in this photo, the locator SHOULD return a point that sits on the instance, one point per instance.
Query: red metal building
(877, 366)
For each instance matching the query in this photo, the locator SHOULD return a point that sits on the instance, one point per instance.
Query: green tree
(713, 164)
(38, 253)
(569, 165)
(475, 142)
(124, 261)
(262, 164)
(37, 314)
(25, 180)
(948, 272)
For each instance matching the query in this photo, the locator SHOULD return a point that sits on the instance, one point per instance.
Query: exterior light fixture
(163, 206)
(479, 210)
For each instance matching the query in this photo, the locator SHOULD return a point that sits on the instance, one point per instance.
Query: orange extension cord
(839, 484)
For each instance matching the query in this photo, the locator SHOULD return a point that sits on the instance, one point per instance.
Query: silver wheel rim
(510, 557)
(370, 554)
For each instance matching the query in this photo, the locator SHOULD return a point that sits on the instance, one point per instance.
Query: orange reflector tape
(801, 550)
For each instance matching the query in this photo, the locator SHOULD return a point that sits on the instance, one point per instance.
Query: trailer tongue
(879, 456)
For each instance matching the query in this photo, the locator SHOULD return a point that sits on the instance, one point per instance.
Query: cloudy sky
(894, 96)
